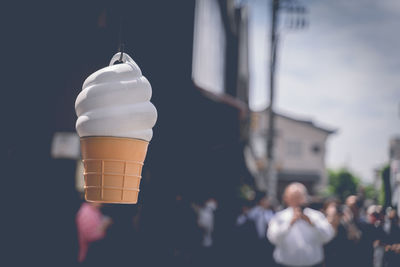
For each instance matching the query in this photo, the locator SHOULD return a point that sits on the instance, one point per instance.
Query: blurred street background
(251, 96)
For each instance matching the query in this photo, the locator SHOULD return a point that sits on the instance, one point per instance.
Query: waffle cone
(112, 168)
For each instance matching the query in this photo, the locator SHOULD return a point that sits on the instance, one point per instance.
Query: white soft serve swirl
(115, 101)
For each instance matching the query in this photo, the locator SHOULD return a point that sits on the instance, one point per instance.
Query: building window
(316, 149)
(294, 148)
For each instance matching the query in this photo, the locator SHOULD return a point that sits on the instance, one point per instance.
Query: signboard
(79, 178)
(65, 145)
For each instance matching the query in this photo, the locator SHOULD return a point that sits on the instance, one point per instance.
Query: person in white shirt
(299, 233)
(206, 221)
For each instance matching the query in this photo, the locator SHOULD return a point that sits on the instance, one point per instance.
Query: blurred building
(394, 157)
(300, 148)
(220, 73)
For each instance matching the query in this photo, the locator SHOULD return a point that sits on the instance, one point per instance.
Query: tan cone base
(112, 168)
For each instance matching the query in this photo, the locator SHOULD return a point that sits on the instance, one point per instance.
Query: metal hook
(121, 50)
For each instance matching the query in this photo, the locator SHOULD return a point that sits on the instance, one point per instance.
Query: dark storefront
(196, 149)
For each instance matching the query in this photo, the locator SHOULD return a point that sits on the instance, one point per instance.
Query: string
(121, 45)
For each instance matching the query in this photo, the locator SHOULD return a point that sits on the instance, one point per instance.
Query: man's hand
(307, 219)
(297, 214)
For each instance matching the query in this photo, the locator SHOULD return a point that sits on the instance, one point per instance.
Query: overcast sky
(343, 72)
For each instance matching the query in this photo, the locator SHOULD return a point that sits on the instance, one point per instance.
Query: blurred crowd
(297, 232)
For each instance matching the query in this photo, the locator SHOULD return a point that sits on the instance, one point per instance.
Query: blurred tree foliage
(246, 192)
(342, 183)
(371, 192)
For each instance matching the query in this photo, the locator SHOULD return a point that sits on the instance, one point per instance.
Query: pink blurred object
(89, 221)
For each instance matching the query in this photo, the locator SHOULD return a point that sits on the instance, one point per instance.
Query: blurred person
(206, 222)
(375, 216)
(91, 225)
(336, 249)
(392, 247)
(244, 213)
(350, 217)
(391, 226)
(261, 214)
(363, 235)
(252, 226)
(392, 255)
(246, 237)
(299, 232)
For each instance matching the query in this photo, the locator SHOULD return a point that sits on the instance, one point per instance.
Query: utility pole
(292, 6)
(271, 172)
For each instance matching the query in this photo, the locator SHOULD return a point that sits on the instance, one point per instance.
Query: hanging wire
(121, 45)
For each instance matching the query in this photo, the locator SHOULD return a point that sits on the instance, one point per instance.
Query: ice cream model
(115, 121)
